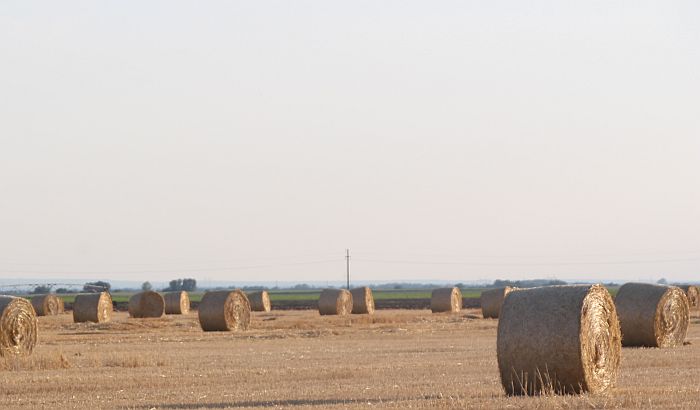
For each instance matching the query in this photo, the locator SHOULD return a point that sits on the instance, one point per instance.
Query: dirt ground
(396, 359)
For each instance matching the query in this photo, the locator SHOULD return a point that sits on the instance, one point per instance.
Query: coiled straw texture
(446, 300)
(558, 339)
(362, 301)
(93, 307)
(224, 310)
(335, 302)
(652, 315)
(18, 326)
(46, 305)
(260, 301)
(177, 303)
(492, 300)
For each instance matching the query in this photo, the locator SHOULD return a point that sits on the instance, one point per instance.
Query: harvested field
(292, 359)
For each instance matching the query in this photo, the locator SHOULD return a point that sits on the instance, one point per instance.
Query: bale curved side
(335, 302)
(92, 307)
(558, 339)
(693, 294)
(362, 301)
(146, 304)
(260, 301)
(46, 305)
(652, 315)
(177, 303)
(446, 300)
(492, 300)
(18, 326)
(224, 310)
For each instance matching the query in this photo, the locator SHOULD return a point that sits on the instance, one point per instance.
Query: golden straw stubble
(652, 315)
(177, 303)
(224, 310)
(18, 326)
(335, 302)
(446, 300)
(558, 339)
(47, 305)
(93, 307)
(362, 301)
(146, 304)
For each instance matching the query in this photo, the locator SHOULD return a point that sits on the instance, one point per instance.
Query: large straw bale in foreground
(362, 300)
(224, 310)
(18, 326)
(177, 303)
(146, 304)
(335, 302)
(92, 307)
(492, 300)
(446, 300)
(260, 301)
(652, 315)
(558, 339)
(693, 294)
(47, 305)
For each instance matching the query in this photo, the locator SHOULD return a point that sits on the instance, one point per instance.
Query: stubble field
(298, 359)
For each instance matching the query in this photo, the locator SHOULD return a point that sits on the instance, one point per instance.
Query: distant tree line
(527, 283)
(188, 284)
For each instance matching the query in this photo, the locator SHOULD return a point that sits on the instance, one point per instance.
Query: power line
(529, 264)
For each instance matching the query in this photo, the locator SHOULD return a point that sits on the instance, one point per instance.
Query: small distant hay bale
(558, 339)
(335, 302)
(18, 326)
(47, 305)
(446, 300)
(146, 304)
(224, 310)
(652, 315)
(693, 294)
(92, 307)
(260, 301)
(492, 300)
(177, 303)
(362, 301)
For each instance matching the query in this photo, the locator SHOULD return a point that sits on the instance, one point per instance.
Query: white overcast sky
(257, 140)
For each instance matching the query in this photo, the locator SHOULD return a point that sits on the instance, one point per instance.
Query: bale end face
(558, 339)
(362, 301)
(446, 300)
(335, 302)
(224, 311)
(260, 301)
(652, 315)
(18, 326)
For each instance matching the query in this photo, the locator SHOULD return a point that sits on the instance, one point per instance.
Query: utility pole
(347, 264)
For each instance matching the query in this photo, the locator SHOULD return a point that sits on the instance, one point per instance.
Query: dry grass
(299, 359)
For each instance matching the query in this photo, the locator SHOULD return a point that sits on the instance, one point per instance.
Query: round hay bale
(177, 303)
(446, 300)
(652, 315)
(558, 339)
(260, 301)
(693, 294)
(46, 305)
(146, 304)
(224, 310)
(335, 302)
(92, 307)
(362, 300)
(492, 300)
(18, 326)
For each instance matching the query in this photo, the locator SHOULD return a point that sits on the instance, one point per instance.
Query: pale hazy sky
(437, 140)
